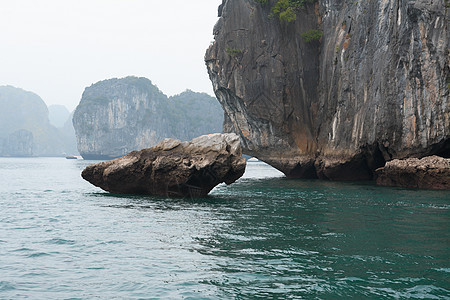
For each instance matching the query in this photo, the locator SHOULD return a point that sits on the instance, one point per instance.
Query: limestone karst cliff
(19, 143)
(117, 116)
(372, 88)
(25, 129)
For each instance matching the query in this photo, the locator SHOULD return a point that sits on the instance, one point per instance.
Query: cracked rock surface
(374, 88)
(432, 172)
(172, 168)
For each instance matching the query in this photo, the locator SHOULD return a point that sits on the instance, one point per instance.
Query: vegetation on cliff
(312, 35)
(286, 10)
(375, 90)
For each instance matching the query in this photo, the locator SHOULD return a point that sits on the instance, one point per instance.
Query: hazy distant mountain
(58, 115)
(70, 140)
(196, 114)
(25, 129)
(17, 143)
(117, 116)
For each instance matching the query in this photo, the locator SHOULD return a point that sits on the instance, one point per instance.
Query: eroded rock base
(432, 172)
(172, 168)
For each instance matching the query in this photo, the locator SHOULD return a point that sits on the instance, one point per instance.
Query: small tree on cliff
(286, 10)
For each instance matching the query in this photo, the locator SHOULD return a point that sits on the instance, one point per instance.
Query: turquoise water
(264, 237)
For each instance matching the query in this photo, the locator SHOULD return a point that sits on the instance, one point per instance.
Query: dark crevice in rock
(306, 171)
(442, 149)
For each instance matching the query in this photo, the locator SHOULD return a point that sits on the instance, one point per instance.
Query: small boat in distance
(71, 157)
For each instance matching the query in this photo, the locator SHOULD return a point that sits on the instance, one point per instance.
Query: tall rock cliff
(68, 134)
(117, 116)
(194, 114)
(372, 88)
(18, 144)
(25, 129)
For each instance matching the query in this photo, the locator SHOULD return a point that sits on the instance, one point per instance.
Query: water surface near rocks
(264, 237)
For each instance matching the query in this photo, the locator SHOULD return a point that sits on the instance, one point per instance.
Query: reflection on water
(263, 237)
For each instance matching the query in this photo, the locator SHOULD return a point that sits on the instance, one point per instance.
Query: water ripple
(6, 286)
(38, 254)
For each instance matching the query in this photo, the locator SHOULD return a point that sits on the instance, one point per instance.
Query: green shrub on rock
(286, 10)
(234, 51)
(312, 35)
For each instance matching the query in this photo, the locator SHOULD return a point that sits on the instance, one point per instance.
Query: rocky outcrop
(117, 116)
(432, 172)
(373, 88)
(172, 167)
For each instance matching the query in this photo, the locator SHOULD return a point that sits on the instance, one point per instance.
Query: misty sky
(56, 48)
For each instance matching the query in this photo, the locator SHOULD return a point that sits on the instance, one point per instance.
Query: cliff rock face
(68, 135)
(18, 144)
(117, 116)
(373, 88)
(25, 129)
(61, 118)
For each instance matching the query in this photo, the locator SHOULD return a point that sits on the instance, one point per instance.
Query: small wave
(23, 228)
(368, 258)
(425, 292)
(409, 279)
(22, 250)
(436, 206)
(446, 270)
(333, 234)
(112, 242)
(35, 274)
(127, 206)
(59, 241)
(243, 238)
(296, 252)
(38, 254)
(96, 268)
(351, 279)
(416, 292)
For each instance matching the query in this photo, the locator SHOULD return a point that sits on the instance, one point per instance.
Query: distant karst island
(117, 116)
(29, 128)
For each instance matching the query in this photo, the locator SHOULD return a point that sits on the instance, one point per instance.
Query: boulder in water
(431, 172)
(172, 167)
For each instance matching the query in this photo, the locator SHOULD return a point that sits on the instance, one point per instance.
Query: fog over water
(57, 48)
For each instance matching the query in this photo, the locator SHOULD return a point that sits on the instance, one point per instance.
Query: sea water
(263, 237)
